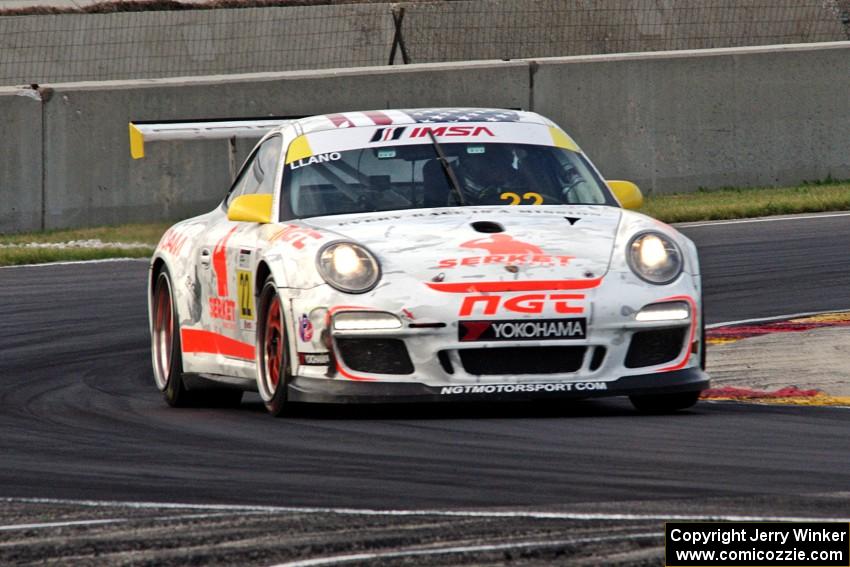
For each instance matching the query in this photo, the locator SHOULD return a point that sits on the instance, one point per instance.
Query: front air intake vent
(378, 356)
(649, 348)
(522, 360)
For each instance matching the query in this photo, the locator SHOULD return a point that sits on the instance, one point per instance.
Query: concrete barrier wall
(20, 160)
(90, 177)
(669, 121)
(683, 120)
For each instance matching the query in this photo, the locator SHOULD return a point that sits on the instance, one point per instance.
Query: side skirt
(194, 381)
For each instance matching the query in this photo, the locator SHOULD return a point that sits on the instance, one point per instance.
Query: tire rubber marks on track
(454, 550)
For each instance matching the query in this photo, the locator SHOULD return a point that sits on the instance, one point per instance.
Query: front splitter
(319, 390)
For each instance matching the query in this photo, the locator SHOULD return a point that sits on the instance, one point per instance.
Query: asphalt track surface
(80, 418)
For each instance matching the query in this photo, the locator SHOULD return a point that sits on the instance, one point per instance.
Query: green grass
(130, 233)
(746, 203)
(20, 256)
(126, 233)
(700, 205)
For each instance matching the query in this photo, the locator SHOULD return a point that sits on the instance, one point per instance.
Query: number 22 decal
(246, 294)
(515, 199)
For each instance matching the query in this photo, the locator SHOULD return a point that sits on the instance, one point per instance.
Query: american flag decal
(387, 134)
(428, 115)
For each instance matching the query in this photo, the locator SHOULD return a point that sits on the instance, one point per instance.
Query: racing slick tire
(664, 403)
(273, 368)
(168, 359)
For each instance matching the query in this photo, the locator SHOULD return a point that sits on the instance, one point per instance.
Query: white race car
(424, 255)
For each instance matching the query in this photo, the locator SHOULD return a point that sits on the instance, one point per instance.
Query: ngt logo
(529, 303)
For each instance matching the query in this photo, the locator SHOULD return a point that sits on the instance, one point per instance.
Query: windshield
(412, 176)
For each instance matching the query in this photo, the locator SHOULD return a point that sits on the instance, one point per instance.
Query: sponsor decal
(531, 303)
(314, 358)
(321, 158)
(504, 249)
(243, 261)
(295, 235)
(223, 309)
(172, 242)
(451, 131)
(305, 329)
(387, 134)
(522, 330)
(524, 388)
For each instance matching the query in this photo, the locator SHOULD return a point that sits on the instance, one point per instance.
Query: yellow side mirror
(627, 193)
(251, 208)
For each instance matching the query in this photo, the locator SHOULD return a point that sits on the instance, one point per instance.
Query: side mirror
(627, 193)
(251, 208)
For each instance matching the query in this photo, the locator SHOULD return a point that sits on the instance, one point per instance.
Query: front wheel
(273, 354)
(664, 403)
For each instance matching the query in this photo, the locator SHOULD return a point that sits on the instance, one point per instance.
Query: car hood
(485, 244)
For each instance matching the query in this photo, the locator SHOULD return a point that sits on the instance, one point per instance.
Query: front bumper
(317, 390)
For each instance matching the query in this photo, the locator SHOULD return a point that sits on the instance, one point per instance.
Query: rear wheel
(168, 359)
(664, 403)
(165, 347)
(273, 360)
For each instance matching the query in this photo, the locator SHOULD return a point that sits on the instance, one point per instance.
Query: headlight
(348, 267)
(654, 258)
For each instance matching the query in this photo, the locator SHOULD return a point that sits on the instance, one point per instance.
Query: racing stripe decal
(379, 118)
(197, 341)
(543, 285)
(338, 120)
(219, 261)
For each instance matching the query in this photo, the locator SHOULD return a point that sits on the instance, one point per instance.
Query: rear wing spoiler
(142, 132)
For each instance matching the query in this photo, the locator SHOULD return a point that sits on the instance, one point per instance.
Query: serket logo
(305, 329)
(504, 249)
(387, 134)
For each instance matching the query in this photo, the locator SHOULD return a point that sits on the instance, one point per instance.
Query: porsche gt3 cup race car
(422, 255)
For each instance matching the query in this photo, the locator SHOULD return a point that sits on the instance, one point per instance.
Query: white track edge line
(778, 218)
(775, 318)
(412, 552)
(75, 262)
(532, 514)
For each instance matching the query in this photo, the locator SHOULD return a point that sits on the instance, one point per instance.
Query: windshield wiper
(450, 173)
